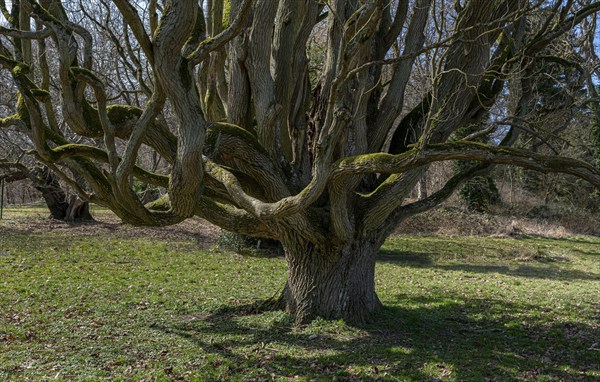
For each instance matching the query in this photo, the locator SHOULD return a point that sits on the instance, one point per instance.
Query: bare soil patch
(108, 225)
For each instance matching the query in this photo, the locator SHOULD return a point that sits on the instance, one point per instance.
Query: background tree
(561, 120)
(480, 192)
(16, 165)
(259, 140)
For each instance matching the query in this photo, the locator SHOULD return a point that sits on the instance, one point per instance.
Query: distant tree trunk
(331, 281)
(47, 183)
(78, 210)
(61, 207)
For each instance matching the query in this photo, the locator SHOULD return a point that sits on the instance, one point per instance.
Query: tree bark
(331, 281)
(61, 208)
(47, 184)
(78, 210)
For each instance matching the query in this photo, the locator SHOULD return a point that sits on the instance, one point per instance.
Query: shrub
(247, 245)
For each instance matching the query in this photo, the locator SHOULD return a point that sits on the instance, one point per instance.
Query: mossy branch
(92, 152)
(389, 164)
(213, 43)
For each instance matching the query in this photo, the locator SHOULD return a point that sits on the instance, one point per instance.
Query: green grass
(40, 210)
(456, 309)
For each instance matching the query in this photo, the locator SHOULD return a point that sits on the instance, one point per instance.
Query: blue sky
(8, 5)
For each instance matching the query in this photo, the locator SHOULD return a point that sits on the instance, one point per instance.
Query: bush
(480, 193)
(247, 245)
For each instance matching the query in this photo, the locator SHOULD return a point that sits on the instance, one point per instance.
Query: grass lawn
(95, 304)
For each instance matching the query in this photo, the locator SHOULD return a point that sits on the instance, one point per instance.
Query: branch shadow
(571, 240)
(405, 257)
(547, 269)
(453, 336)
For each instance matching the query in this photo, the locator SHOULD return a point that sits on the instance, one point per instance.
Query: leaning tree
(16, 165)
(305, 121)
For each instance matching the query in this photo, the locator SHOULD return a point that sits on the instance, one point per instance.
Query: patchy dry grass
(109, 302)
(503, 221)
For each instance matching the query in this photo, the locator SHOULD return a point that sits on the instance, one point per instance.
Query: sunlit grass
(456, 309)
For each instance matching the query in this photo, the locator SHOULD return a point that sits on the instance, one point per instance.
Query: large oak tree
(305, 121)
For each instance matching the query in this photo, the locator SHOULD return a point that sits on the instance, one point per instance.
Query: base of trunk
(359, 311)
(60, 206)
(330, 282)
(78, 210)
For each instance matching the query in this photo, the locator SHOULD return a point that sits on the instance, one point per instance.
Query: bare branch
(33, 35)
(213, 43)
(132, 18)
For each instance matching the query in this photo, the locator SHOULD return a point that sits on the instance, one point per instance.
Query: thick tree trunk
(56, 199)
(78, 210)
(330, 281)
(48, 185)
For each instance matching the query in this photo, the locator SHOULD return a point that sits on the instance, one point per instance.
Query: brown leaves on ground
(107, 224)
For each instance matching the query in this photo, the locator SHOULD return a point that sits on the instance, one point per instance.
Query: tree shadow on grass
(527, 271)
(570, 240)
(405, 257)
(547, 269)
(587, 253)
(418, 338)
